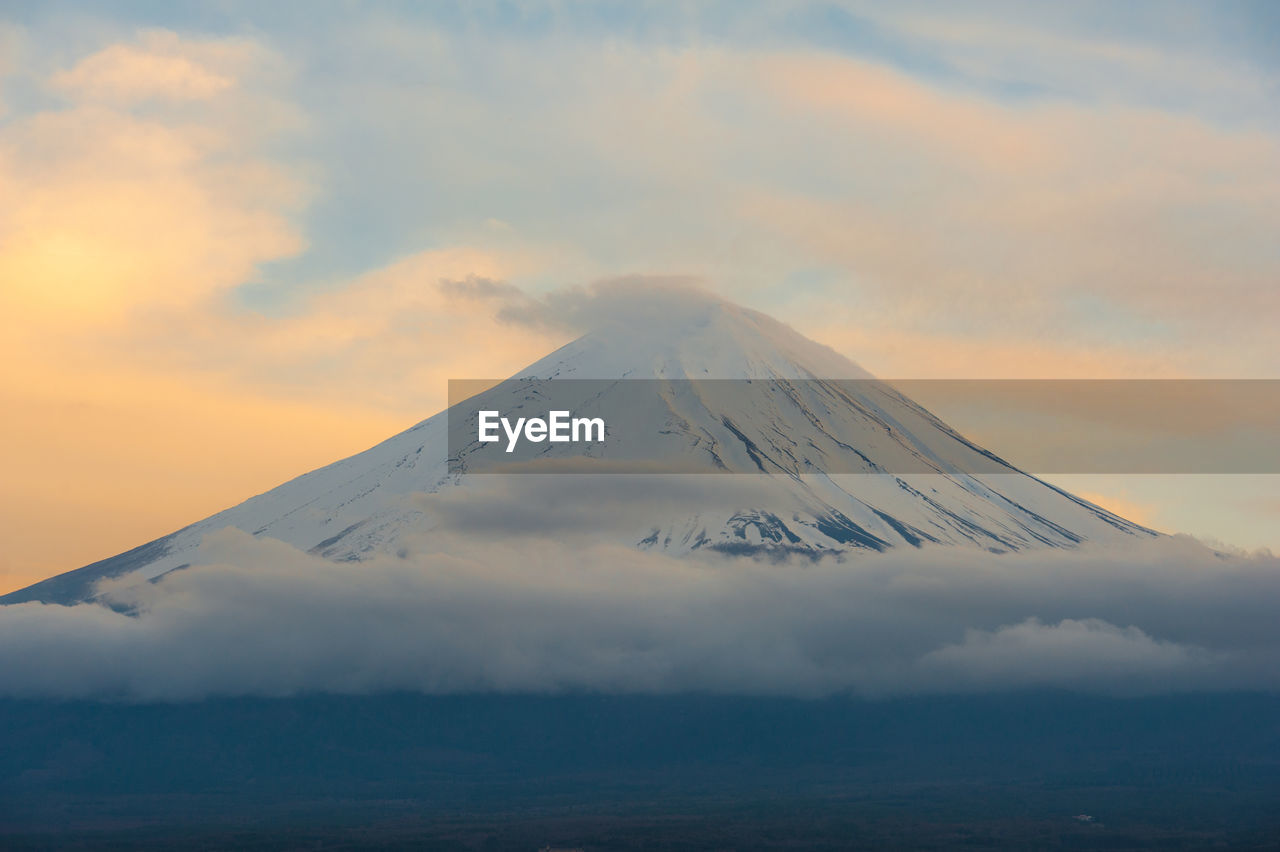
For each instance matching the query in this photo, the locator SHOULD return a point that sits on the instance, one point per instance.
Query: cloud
(119, 209)
(1070, 653)
(122, 208)
(160, 65)
(142, 196)
(1055, 220)
(862, 202)
(605, 506)
(388, 340)
(510, 301)
(12, 42)
(1185, 61)
(577, 309)
(559, 609)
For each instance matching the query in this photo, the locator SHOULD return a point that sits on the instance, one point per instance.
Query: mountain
(839, 462)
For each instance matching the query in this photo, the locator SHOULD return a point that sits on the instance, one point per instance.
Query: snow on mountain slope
(371, 502)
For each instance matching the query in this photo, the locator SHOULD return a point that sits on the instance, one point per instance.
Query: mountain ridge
(366, 504)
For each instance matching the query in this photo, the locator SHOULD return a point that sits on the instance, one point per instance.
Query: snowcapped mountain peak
(791, 443)
(641, 329)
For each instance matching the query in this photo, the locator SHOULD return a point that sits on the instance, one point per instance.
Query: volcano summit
(826, 470)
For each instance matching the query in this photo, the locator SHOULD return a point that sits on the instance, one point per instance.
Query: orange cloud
(113, 210)
(110, 214)
(947, 208)
(139, 399)
(893, 353)
(160, 65)
(879, 99)
(387, 341)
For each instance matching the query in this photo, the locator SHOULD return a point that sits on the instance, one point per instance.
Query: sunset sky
(224, 227)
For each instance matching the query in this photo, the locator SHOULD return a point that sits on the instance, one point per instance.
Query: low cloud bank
(533, 614)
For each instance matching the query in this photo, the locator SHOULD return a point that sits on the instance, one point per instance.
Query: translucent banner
(814, 426)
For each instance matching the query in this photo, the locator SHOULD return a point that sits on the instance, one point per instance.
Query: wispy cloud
(160, 66)
(1184, 59)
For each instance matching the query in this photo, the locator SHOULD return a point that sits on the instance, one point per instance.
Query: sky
(228, 230)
